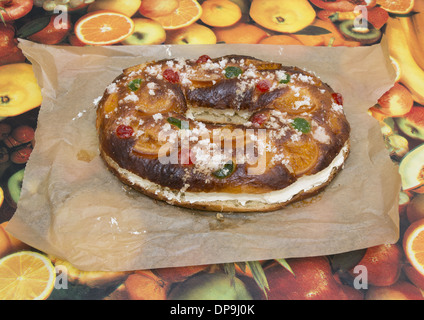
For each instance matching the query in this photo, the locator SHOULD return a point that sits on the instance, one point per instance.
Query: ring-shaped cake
(230, 134)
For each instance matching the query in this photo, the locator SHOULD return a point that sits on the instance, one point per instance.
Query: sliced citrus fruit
(396, 6)
(103, 28)
(187, 12)
(26, 275)
(302, 155)
(413, 245)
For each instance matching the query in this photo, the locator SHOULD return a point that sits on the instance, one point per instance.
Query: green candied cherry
(225, 171)
(134, 85)
(232, 72)
(286, 79)
(301, 125)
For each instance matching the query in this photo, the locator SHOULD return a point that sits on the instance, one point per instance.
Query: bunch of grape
(50, 5)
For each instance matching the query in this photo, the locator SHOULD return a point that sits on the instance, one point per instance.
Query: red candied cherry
(124, 132)
(338, 98)
(188, 155)
(263, 85)
(259, 119)
(171, 75)
(202, 59)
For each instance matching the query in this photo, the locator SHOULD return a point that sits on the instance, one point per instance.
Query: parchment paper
(73, 208)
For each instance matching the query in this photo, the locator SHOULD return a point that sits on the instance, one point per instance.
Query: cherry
(258, 119)
(338, 98)
(263, 85)
(171, 75)
(202, 59)
(124, 132)
(188, 155)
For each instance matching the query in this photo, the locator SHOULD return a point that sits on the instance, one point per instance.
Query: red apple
(312, 279)
(401, 290)
(9, 52)
(14, 9)
(396, 102)
(382, 263)
(57, 29)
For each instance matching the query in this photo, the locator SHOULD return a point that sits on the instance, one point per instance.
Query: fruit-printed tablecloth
(384, 272)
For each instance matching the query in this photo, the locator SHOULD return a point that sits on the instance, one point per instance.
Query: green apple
(146, 32)
(14, 185)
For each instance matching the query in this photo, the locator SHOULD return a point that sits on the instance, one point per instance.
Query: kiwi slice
(14, 185)
(364, 35)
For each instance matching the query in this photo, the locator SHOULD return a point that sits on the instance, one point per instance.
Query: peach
(220, 13)
(157, 8)
(397, 101)
(193, 34)
(282, 15)
(240, 33)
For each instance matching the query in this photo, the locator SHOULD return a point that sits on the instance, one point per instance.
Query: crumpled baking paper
(72, 207)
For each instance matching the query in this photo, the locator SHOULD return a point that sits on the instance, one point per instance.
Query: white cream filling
(303, 184)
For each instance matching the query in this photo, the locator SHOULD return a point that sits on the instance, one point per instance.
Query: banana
(418, 25)
(412, 76)
(413, 37)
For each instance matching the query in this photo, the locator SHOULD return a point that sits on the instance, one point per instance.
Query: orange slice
(413, 245)
(187, 12)
(396, 6)
(26, 275)
(302, 156)
(103, 28)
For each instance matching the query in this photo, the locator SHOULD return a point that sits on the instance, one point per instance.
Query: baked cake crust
(177, 105)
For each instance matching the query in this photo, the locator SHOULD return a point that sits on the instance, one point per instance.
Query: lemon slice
(26, 275)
